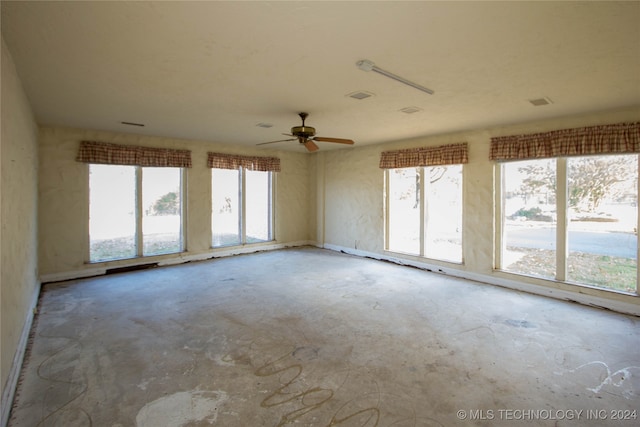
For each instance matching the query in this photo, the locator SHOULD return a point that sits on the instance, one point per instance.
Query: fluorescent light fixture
(366, 65)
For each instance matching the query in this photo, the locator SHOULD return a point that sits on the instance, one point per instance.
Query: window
(242, 209)
(424, 211)
(404, 212)
(258, 212)
(162, 211)
(602, 204)
(572, 219)
(529, 217)
(134, 211)
(226, 215)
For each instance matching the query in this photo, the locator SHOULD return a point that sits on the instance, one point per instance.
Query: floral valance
(618, 138)
(131, 155)
(451, 154)
(234, 161)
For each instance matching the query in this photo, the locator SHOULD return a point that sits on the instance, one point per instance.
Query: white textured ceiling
(213, 70)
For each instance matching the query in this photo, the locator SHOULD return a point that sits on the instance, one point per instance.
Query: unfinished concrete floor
(311, 337)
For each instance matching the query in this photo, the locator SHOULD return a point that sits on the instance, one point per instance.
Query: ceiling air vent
(411, 110)
(133, 124)
(540, 101)
(360, 95)
(264, 125)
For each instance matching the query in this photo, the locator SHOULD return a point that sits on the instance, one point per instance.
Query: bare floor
(310, 337)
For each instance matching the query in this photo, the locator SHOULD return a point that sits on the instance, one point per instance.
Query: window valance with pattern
(621, 138)
(451, 154)
(130, 155)
(234, 161)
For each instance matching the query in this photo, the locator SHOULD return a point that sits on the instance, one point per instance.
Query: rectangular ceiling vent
(411, 110)
(360, 95)
(540, 101)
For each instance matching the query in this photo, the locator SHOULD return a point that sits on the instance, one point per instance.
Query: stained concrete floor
(311, 337)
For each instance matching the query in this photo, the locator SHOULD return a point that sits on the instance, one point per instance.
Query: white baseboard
(585, 299)
(11, 386)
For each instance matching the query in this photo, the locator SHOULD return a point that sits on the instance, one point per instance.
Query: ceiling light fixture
(366, 65)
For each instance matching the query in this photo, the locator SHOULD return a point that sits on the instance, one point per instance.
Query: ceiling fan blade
(338, 140)
(280, 140)
(311, 146)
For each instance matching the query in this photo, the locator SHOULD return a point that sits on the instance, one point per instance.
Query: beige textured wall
(18, 207)
(354, 189)
(64, 196)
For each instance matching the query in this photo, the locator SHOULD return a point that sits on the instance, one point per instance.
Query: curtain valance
(618, 138)
(451, 154)
(131, 155)
(234, 161)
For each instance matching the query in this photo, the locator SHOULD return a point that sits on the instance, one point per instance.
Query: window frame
(139, 213)
(562, 225)
(423, 226)
(242, 220)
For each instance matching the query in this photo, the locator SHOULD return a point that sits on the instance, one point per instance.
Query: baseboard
(74, 274)
(9, 392)
(232, 251)
(181, 258)
(585, 299)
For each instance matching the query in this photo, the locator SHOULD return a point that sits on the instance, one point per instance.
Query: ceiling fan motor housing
(303, 131)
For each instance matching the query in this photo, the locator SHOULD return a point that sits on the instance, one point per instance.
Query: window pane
(529, 217)
(603, 212)
(443, 209)
(225, 214)
(161, 211)
(404, 210)
(112, 207)
(258, 206)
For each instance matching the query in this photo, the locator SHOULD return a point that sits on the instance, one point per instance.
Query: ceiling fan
(305, 135)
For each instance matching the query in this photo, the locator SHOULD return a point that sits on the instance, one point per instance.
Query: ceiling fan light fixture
(366, 65)
(303, 131)
(306, 136)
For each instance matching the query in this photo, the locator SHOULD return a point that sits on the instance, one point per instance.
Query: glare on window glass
(529, 217)
(258, 206)
(404, 211)
(225, 209)
(112, 212)
(443, 212)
